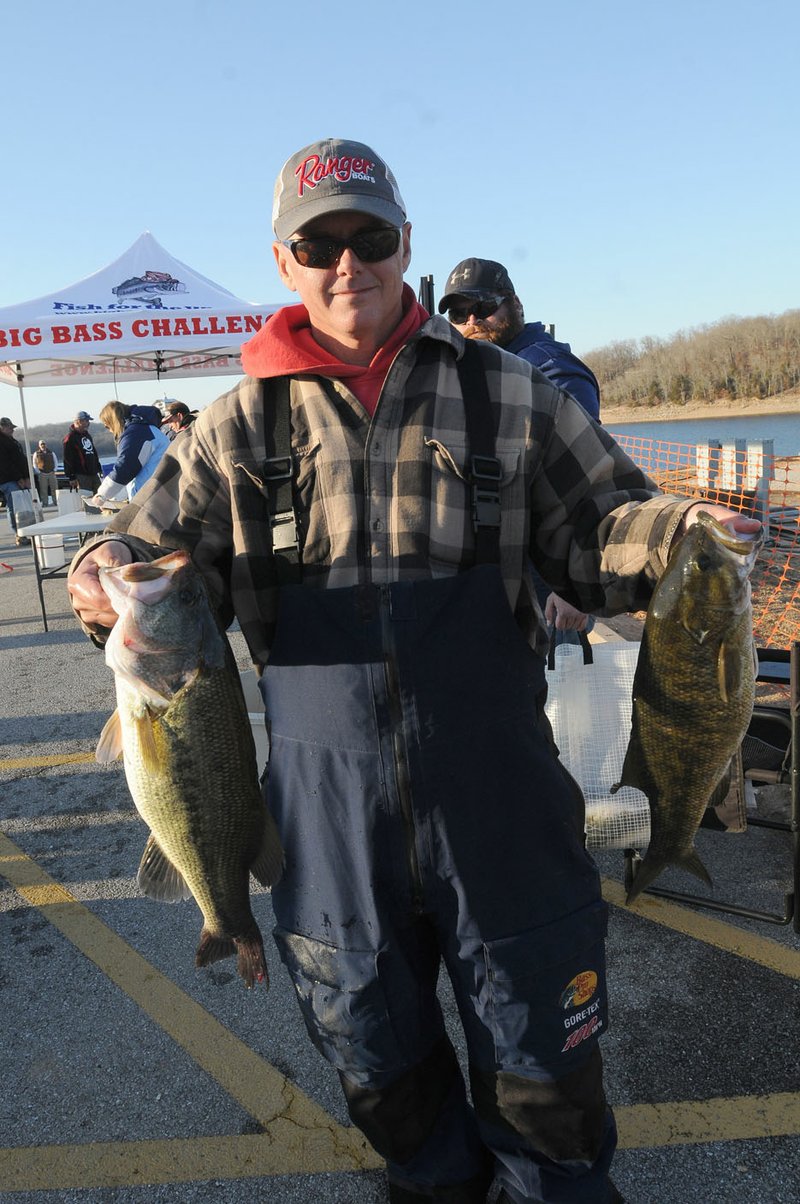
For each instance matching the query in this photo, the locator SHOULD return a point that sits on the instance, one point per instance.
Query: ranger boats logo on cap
(313, 170)
(335, 175)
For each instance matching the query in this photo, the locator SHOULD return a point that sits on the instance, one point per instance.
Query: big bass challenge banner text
(135, 328)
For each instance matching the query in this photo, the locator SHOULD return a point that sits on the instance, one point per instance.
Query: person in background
(481, 302)
(14, 472)
(423, 812)
(178, 417)
(140, 445)
(44, 461)
(81, 461)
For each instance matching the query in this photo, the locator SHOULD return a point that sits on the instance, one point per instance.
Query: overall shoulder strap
(484, 467)
(277, 471)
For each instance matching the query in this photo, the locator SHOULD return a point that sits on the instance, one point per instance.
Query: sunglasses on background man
(458, 314)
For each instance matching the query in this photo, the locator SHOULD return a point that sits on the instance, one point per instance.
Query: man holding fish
(366, 502)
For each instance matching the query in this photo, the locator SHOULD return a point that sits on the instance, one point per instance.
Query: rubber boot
(472, 1191)
(614, 1196)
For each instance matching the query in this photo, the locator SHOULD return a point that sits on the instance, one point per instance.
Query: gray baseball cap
(334, 176)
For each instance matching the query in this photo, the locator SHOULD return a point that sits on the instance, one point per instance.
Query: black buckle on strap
(277, 469)
(485, 476)
(486, 468)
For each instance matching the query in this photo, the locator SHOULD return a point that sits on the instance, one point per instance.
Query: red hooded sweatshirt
(285, 346)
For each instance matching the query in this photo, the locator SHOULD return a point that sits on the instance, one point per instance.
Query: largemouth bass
(182, 728)
(693, 691)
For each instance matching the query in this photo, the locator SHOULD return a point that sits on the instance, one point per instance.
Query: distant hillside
(733, 359)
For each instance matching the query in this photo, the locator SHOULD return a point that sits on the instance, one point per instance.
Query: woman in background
(140, 445)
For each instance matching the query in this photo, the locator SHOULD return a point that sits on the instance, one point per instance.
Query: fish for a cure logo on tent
(145, 288)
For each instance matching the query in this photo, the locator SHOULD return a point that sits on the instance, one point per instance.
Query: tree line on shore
(735, 358)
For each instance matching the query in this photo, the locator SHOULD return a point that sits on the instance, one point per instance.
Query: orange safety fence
(743, 478)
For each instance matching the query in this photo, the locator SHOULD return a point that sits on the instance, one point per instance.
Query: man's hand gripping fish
(181, 725)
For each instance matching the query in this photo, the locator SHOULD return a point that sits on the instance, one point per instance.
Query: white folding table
(78, 523)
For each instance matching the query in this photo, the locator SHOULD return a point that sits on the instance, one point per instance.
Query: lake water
(783, 429)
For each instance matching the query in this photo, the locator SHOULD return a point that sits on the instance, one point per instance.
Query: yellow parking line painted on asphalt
(45, 762)
(110, 1164)
(300, 1136)
(116, 1164)
(646, 1126)
(703, 928)
(302, 1132)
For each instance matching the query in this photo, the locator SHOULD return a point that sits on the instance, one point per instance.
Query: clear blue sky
(635, 165)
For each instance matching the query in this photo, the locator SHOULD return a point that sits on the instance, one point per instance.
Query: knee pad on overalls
(563, 1119)
(398, 1119)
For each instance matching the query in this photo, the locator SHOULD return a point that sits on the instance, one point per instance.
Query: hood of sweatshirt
(286, 346)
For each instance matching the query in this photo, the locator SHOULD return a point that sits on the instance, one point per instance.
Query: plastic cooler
(50, 551)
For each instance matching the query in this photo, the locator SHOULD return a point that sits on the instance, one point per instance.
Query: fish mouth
(741, 545)
(147, 581)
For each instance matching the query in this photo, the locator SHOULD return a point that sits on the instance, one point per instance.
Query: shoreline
(788, 403)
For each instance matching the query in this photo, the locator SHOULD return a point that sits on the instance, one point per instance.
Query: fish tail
(650, 869)
(250, 963)
(249, 950)
(213, 948)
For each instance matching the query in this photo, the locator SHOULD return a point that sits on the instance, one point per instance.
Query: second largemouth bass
(693, 690)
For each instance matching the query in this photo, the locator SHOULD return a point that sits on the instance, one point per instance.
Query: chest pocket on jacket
(452, 537)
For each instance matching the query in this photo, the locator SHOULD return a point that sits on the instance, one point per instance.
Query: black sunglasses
(458, 314)
(323, 251)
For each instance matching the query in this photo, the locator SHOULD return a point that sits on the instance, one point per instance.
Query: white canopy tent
(143, 317)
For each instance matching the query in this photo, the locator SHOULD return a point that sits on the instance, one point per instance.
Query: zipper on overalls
(399, 750)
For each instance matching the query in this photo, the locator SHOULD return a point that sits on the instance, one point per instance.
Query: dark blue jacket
(558, 364)
(140, 447)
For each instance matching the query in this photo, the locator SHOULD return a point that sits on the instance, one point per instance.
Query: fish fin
(691, 862)
(267, 866)
(649, 870)
(729, 671)
(158, 878)
(249, 950)
(213, 948)
(109, 746)
(147, 742)
(250, 961)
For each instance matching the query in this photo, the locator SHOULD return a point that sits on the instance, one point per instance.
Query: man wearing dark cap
(481, 302)
(177, 417)
(14, 472)
(366, 502)
(81, 461)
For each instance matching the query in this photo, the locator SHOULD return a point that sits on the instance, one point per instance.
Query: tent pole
(28, 454)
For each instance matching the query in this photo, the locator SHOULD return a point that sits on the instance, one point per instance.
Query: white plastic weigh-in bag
(589, 707)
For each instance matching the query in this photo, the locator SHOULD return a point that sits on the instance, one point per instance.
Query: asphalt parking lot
(130, 1077)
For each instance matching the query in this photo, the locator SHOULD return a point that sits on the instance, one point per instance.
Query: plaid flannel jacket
(385, 499)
